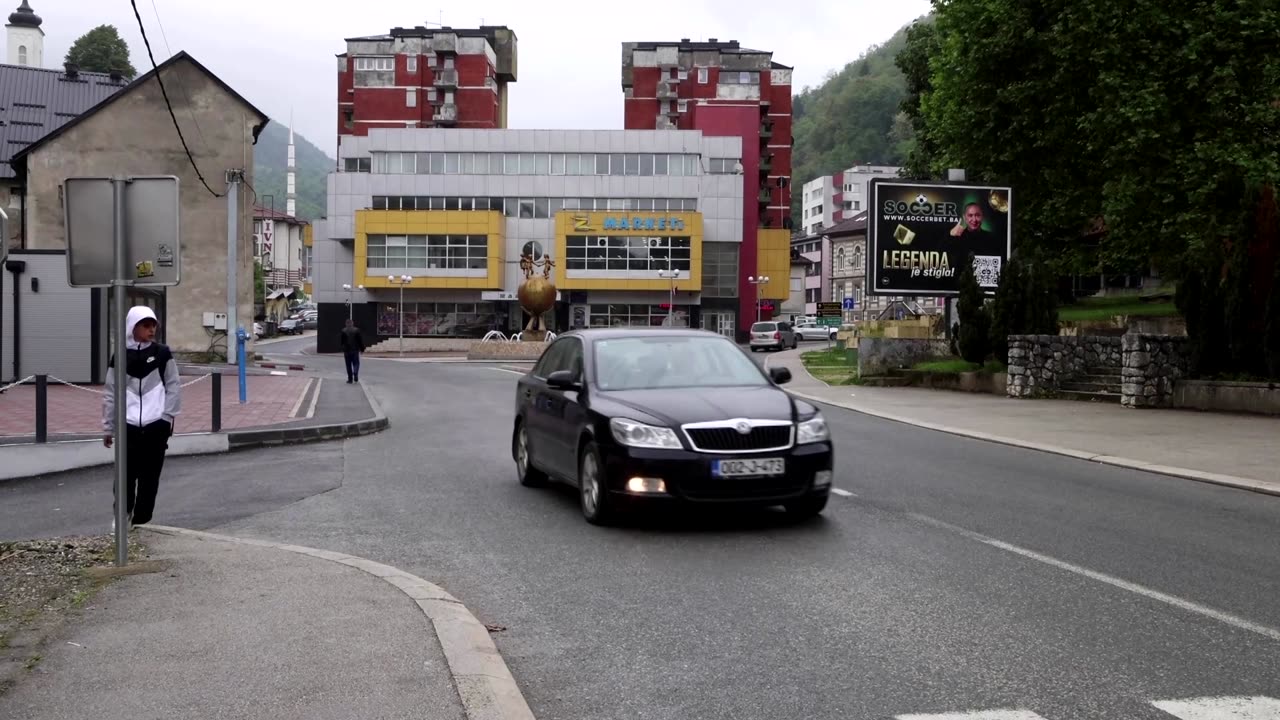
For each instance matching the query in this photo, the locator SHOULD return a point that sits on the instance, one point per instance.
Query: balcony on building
(765, 195)
(445, 78)
(666, 123)
(445, 114)
(766, 130)
(667, 90)
(766, 164)
(444, 43)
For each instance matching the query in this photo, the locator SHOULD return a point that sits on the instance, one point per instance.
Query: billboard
(919, 235)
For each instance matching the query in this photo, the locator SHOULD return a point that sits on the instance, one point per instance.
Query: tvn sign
(583, 223)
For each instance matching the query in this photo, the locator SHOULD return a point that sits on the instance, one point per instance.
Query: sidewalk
(280, 409)
(1236, 450)
(228, 630)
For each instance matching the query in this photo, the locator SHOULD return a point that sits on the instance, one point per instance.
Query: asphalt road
(957, 576)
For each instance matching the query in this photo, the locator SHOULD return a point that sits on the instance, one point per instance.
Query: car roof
(593, 334)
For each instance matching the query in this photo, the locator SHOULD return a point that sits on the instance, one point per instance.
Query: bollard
(216, 382)
(42, 408)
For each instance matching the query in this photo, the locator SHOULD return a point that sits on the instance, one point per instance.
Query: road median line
(481, 677)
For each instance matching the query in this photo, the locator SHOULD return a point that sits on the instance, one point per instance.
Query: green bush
(1008, 310)
(975, 322)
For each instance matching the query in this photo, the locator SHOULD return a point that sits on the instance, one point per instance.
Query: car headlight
(634, 434)
(812, 430)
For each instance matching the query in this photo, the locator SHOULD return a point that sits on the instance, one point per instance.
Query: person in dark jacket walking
(153, 398)
(352, 346)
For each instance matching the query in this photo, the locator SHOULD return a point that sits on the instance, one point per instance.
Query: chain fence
(16, 384)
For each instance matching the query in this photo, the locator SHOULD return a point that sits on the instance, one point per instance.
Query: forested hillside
(270, 157)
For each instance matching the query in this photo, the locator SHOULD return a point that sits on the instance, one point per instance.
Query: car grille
(727, 439)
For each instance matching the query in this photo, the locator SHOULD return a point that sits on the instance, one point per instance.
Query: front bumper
(687, 474)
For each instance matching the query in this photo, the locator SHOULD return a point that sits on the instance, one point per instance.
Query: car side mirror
(563, 380)
(780, 375)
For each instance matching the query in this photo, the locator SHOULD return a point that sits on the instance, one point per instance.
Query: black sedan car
(629, 414)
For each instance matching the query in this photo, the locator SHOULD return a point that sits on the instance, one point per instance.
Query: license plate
(748, 468)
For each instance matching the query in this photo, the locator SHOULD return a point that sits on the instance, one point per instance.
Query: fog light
(646, 486)
(822, 478)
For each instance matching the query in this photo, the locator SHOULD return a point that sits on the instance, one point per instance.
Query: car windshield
(764, 327)
(642, 363)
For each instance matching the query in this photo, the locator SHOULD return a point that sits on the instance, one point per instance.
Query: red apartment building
(722, 89)
(426, 77)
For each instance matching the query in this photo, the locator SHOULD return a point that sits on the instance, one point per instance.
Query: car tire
(528, 475)
(807, 507)
(593, 495)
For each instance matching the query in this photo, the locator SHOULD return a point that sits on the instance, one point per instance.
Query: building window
(682, 74)
(720, 269)
(411, 98)
(682, 106)
(433, 252)
(411, 64)
(448, 62)
(440, 319)
(361, 165)
(630, 254)
(857, 258)
(739, 78)
(375, 64)
(543, 164)
(722, 166)
(702, 76)
(22, 54)
(619, 315)
(431, 94)
(840, 258)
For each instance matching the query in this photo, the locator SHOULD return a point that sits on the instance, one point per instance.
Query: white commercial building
(832, 198)
(462, 212)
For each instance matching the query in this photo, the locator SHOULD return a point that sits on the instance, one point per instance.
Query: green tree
(914, 61)
(975, 321)
(102, 50)
(1008, 310)
(1271, 342)
(1147, 115)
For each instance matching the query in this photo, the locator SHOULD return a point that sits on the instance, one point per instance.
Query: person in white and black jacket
(154, 397)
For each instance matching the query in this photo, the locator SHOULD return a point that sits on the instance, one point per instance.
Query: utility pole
(234, 178)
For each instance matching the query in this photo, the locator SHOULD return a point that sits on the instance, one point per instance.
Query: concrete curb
(480, 675)
(1232, 481)
(243, 439)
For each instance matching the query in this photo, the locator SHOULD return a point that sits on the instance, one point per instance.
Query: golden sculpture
(537, 295)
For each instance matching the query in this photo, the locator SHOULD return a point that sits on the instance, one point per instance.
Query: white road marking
(513, 372)
(1223, 708)
(311, 410)
(1222, 617)
(278, 372)
(842, 493)
(980, 715)
(298, 405)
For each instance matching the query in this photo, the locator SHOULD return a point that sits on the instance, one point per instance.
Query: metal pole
(121, 377)
(233, 215)
(216, 381)
(42, 408)
(401, 314)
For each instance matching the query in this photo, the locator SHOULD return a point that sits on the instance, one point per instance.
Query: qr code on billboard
(987, 268)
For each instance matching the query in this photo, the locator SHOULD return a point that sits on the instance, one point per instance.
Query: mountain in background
(270, 161)
(853, 118)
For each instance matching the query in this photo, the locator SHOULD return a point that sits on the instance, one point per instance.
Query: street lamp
(401, 281)
(673, 275)
(349, 288)
(758, 281)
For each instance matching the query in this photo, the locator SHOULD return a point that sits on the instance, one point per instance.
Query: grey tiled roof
(36, 101)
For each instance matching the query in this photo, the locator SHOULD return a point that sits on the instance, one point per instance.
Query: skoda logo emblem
(743, 427)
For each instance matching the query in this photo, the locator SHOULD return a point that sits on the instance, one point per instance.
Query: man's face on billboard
(973, 217)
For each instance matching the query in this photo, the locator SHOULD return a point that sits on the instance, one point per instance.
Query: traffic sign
(144, 219)
(829, 309)
(848, 303)
(829, 321)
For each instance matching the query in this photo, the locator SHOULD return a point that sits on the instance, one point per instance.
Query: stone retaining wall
(1039, 363)
(876, 356)
(1152, 365)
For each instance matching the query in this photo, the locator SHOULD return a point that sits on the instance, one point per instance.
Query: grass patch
(833, 366)
(1107, 308)
(958, 365)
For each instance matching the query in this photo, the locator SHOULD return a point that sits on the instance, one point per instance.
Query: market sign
(920, 236)
(594, 222)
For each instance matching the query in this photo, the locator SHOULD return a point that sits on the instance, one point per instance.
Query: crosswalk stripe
(978, 715)
(1222, 708)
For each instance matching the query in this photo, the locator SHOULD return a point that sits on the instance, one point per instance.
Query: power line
(142, 28)
(181, 86)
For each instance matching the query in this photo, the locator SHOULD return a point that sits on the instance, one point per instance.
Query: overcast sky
(279, 54)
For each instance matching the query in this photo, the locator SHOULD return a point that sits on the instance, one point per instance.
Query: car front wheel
(528, 475)
(597, 505)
